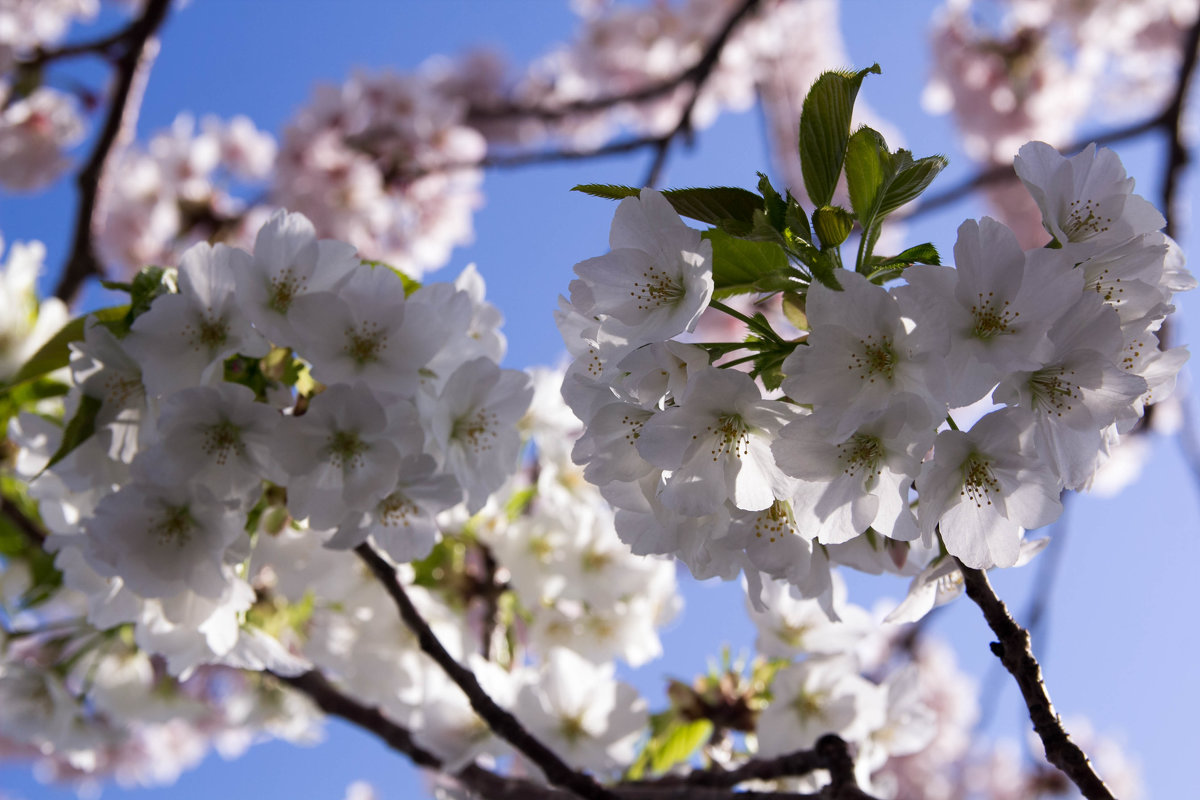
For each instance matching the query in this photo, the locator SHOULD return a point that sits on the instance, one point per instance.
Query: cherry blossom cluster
(1051, 354)
(179, 189)
(150, 513)
(260, 414)
(1047, 63)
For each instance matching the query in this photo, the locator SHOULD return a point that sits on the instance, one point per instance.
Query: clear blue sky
(1122, 647)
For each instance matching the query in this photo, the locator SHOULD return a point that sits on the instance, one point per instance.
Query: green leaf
(773, 204)
(679, 744)
(55, 354)
(740, 265)
(410, 284)
(825, 130)
(794, 309)
(868, 164)
(768, 366)
(833, 225)
(609, 191)
(824, 268)
(909, 182)
(920, 254)
(147, 285)
(78, 430)
(713, 205)
(796, 220)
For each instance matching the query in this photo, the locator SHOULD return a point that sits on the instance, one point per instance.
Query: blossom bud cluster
(1059, 342)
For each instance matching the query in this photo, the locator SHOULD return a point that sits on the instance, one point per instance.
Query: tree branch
(501, 722)
(696, 74)
(1171, 121)
(488, 784)
(132, 70)
(1015, 652)
(31, 530)
(330, 700)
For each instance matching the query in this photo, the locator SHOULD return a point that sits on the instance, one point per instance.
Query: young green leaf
(909, 182)
(825, 130)
(868, 165)
(78, 430)
(680, 742)
(740, 265)
(712, 205)
(55, 354)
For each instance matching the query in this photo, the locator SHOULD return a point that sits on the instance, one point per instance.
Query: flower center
(860, 455)
(397, 511)
(1053, 390)
(992, 318)
(476, 431)
(875, 359)
(346, 450)
(211, 334)
(222, 439)
(774, 522)
(1083, 222)
(284, 288)
(365, 344)
(979, 482)
(655, 289)
(732, 437)
(174, 528)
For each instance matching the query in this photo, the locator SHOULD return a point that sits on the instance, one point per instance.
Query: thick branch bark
(132, 71)
(487, 784)
(1016, 653)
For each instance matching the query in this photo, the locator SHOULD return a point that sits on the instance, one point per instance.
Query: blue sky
(1121, 648)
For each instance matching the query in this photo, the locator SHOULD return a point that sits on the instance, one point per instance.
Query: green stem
(753, 324)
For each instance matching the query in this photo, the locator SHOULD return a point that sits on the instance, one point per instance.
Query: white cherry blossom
(184, 338)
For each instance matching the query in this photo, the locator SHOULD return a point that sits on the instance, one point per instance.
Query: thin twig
(1016, 653)
(500, 721)
(103, 47)
(695, 74)
(132, 70)
(699, 75)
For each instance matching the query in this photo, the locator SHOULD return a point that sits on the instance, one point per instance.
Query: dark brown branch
(334, 703)
(500, 721)
(498, 787)
(1016, 653)
(1001, 173)
(32, 531)
(132, 68)
(103, 47)
(1178, 155)
(698, 75)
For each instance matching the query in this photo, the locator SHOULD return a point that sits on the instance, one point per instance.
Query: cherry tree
(282, 473)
